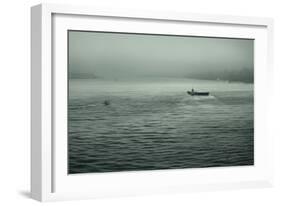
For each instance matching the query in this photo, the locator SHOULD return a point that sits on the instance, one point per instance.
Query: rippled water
(154, 124)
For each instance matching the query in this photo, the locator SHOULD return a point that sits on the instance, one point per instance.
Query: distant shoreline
(161, 78)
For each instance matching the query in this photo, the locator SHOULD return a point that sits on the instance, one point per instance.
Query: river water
(154, 124)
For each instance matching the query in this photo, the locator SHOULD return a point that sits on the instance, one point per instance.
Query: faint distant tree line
(242, 75)
(82, 76)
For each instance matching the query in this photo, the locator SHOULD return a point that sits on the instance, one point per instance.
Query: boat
(194, 93)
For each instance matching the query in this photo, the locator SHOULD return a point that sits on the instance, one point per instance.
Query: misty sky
(113, 55)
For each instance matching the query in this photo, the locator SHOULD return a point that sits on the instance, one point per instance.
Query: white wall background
(15, 101)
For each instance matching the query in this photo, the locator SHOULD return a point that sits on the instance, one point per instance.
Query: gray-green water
(153, 124)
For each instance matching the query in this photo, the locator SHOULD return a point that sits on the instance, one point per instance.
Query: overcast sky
(111, 55)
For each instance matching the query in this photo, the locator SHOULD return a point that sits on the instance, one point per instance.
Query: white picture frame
(49, 178)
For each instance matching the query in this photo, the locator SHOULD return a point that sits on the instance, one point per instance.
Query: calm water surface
(154, 124)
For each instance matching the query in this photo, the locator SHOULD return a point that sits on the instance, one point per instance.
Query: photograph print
(139, 102)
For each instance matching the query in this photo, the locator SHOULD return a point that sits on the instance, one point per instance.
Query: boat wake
(209, 97)
(201, 100)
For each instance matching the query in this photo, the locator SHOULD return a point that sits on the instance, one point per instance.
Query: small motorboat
(194, 93)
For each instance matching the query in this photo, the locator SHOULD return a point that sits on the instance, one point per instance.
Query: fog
(117, 55)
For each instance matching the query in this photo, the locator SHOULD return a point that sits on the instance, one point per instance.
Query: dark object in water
(193, 93)
(106, 102)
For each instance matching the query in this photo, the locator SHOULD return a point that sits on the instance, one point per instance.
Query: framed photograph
(137, 102)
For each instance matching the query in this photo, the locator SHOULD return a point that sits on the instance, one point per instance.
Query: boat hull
(198, 93)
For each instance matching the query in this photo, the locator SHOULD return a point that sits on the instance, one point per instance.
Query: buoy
(106, 102)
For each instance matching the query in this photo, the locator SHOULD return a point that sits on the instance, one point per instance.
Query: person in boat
(192, 90)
